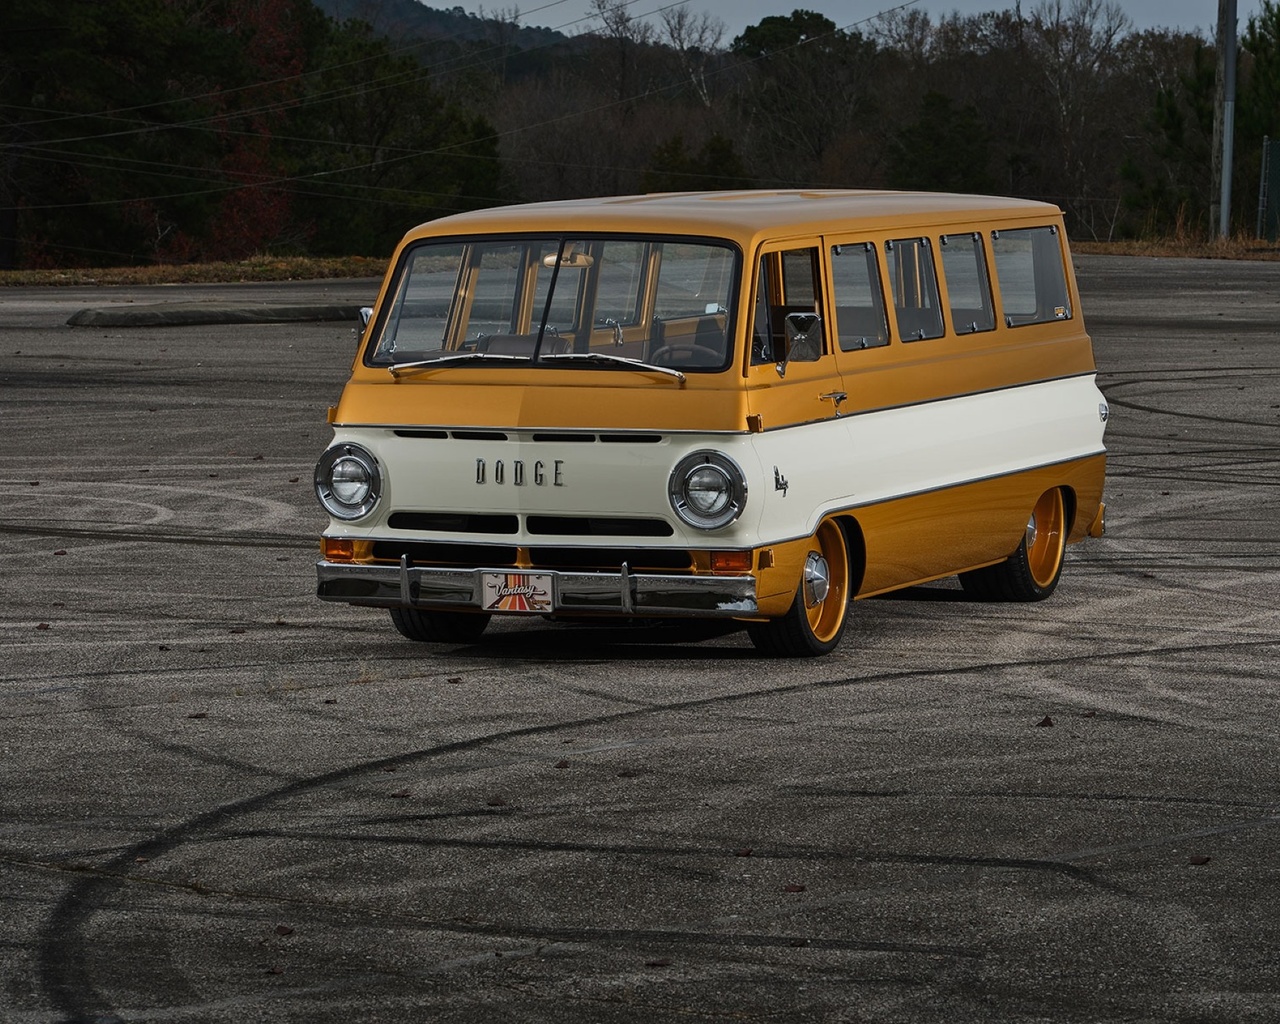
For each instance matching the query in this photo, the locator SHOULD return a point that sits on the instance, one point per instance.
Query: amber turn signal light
(731, 561)
(337, 549)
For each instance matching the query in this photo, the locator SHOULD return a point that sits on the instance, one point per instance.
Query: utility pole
(1224, 118)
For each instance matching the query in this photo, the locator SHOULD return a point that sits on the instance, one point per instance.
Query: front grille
(610, 559)
(466, 556)
(454, 522)
(597, 526)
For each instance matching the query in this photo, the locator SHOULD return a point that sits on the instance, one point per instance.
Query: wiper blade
(605, 358)
(398, 369)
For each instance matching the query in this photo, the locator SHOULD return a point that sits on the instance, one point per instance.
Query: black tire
(1032, 572)
(812, 626)
(439, 627)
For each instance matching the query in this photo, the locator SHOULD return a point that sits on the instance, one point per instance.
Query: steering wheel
(685, 354)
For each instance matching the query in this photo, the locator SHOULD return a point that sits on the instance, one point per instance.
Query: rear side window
(1030, 275)
(915, 288)
(964, 266)
(855, 284)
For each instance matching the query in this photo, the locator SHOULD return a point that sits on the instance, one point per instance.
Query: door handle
(836, 398)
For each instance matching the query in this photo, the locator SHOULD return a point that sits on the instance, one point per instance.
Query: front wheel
(1031, 573)
(817, 617)
(439, 627)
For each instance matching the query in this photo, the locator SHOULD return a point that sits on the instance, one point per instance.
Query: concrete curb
(179, 314)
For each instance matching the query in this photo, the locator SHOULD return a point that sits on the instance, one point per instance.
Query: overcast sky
(570, 16)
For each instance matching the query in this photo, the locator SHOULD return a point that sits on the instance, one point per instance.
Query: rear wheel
(1031, 573)
(439, 627)
(817, 617)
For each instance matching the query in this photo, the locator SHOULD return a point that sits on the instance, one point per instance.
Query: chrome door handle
(836, 398)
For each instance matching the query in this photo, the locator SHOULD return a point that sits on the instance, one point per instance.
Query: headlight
(348, 483)
(707, 490)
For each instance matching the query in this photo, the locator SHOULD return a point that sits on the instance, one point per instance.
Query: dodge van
(758, 406)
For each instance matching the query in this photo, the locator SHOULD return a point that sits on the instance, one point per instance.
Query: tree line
(180, 130)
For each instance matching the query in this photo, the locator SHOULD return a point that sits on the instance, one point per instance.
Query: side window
(861, 321)
(1030, 275)
(788, 322)
(964, 266)
(915, 288)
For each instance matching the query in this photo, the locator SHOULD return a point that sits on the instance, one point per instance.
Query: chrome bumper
(587, 593)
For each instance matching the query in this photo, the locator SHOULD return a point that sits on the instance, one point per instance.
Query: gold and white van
(755, 405)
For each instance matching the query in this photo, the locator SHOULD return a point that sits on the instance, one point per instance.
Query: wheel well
(1069, 508)
(857, 545)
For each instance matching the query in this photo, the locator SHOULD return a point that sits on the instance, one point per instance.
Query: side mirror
(366, 314)
(804, 337)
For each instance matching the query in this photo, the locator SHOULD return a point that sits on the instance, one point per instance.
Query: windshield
(659, 301)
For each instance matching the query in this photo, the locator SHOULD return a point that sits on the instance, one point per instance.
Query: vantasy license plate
(517, 592)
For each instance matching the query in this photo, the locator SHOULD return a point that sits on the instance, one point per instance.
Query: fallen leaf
(799, 942)
(454, 679)
(61, 551)
(198, 714)
(258, 458)
(496, 801)
(793, 887)
(401, 794)
(43, 625)
(1045, 723)
(746, 851)
(275, 969)
(238, 629)
(1090, 714)
(293, 479)
(660, 962)
(562, 764)
(164, 647)
(1199, 860)
(283, 929)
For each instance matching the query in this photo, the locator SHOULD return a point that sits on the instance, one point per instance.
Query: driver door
(793, 377)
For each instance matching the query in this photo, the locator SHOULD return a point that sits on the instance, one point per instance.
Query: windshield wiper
(398, 369)
(612, 360)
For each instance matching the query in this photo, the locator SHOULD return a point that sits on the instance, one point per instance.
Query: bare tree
(1077, 45)
(625, 36)
(695, 40)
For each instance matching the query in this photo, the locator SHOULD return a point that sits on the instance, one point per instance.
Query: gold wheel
(1046, 538)
(816, 619)
(825, 587)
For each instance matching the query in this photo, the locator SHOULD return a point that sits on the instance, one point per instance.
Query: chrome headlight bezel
(702, 475)
(364, 473)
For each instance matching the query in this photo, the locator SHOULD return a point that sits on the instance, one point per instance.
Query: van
(757, 406)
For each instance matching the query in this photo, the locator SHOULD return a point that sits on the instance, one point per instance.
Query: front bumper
(586, 593)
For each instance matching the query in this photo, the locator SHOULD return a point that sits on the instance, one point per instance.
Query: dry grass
(259, 268)
(299, 268)
(1238, 247)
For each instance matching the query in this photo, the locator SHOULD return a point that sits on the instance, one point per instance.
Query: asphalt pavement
(221, 800)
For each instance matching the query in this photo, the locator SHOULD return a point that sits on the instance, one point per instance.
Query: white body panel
(835, 464)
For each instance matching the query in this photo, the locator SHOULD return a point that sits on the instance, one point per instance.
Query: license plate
(529, 592)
